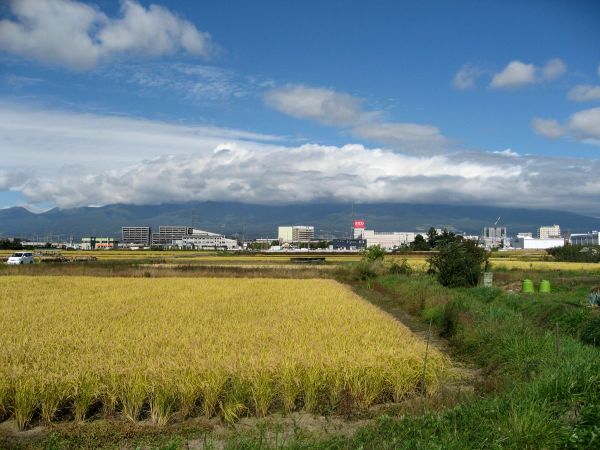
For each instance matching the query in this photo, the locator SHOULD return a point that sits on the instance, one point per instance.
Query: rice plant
(150, 348)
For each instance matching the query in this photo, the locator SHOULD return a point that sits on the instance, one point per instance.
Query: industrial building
(585, 238)
(388, 240)
(549, 232)
(205, 240)
(530, 243)
(98, 243)
(136, 236)
(296, 233)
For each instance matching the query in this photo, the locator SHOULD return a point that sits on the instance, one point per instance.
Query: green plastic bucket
(545, 286)
(527, 287)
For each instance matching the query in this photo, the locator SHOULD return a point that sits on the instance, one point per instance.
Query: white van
(21, 258)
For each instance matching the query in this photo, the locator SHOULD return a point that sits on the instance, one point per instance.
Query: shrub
(374, 253)
(458, 263)
(400, 269)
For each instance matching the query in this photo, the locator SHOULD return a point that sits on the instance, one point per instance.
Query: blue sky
(495, 102)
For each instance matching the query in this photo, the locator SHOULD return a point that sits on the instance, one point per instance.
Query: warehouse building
(205, 240)
(585, 238)
(136, 236)
(388, 240)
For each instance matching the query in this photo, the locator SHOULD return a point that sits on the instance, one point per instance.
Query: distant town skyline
(146, 102)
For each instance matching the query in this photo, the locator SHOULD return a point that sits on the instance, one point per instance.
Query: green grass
(535, 398)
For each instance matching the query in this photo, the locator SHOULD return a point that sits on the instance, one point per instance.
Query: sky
(280, 102)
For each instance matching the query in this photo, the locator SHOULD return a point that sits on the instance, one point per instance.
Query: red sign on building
(359, 224)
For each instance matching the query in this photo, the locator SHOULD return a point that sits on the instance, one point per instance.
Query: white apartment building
(296, 233)
(549, 232)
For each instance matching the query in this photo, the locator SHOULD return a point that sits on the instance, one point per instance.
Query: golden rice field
(542, 265)
(158, 348)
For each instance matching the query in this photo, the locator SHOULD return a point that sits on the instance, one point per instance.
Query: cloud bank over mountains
(144, 162)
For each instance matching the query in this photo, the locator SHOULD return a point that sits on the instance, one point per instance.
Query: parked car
(21, 258)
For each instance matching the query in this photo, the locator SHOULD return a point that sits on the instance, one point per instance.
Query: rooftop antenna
(352, 222)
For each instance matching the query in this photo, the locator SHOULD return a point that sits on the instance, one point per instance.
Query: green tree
(419, 244)
(458, 263)
(432, 237)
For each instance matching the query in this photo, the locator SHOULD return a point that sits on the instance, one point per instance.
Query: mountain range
(253, 221)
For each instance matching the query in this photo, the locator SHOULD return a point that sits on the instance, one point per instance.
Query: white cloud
(466, 77)
(547, 127)
(584, 93)
(78, 35)
(322, 105)
(555, 68)
(330, 107)
(585, 125)
(515, 74)
(582, 126)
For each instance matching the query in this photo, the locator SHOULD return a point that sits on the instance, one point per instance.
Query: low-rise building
(348, 244)
(98, 243)
(527, 242)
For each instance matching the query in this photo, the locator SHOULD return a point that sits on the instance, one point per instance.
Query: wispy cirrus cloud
(190, 81)
(79, 35)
